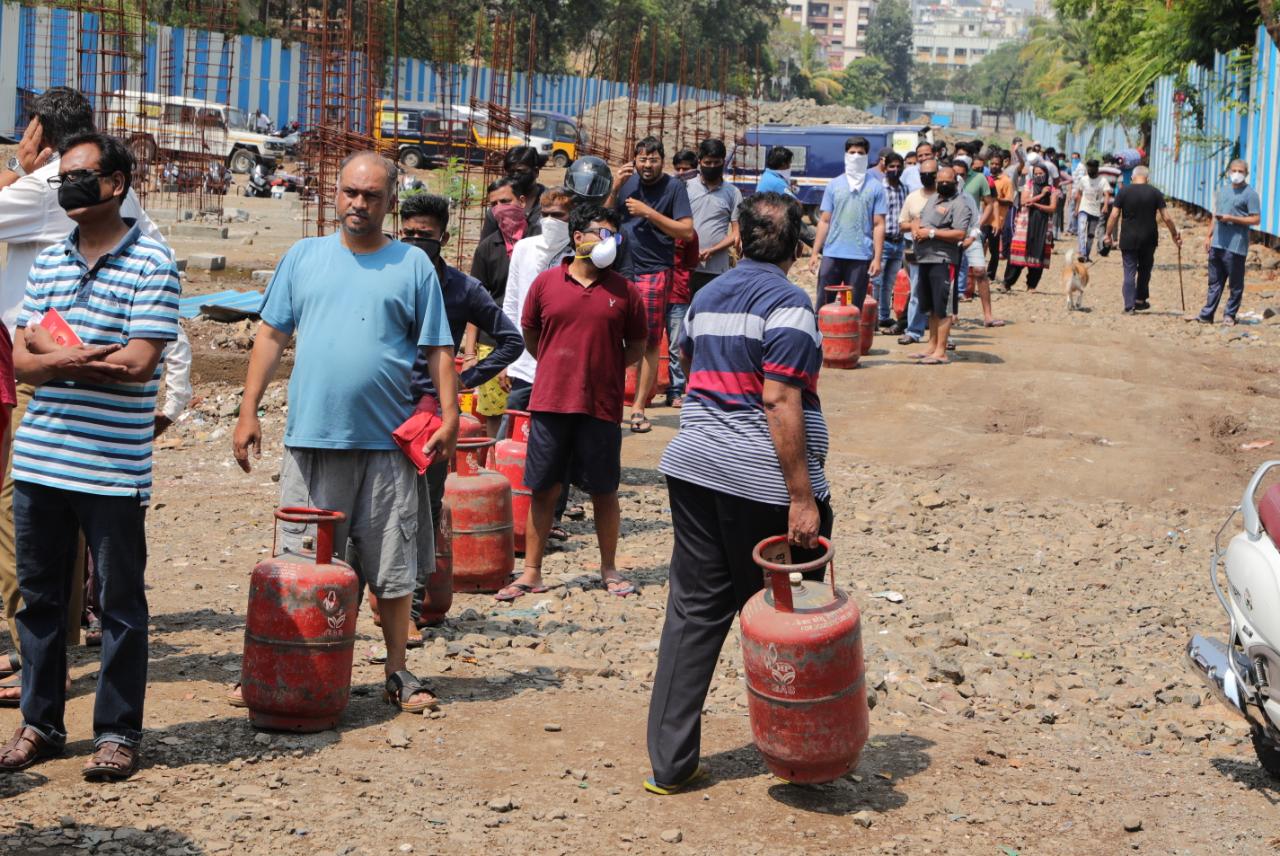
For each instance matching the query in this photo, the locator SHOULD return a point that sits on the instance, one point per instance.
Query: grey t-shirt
(1239, 201)
(954, 213)
(713, 211)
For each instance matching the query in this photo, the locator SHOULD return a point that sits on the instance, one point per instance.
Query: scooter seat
(1269, 513)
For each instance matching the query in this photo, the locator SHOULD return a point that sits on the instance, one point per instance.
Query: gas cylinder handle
(843, 293)
(480, 445)
(780, 572)
(515, 416)
(324, 519)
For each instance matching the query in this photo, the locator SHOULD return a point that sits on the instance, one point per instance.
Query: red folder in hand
(58, 327)
(412, 436)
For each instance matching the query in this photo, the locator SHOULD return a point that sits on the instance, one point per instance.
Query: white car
(160, 125)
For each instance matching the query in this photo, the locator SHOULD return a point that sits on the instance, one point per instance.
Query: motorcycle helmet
(589, 178)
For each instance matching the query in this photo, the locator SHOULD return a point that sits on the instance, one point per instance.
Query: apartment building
(839, 25)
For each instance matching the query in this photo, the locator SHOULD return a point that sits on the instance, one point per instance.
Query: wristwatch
(932, 233)
(15, 165)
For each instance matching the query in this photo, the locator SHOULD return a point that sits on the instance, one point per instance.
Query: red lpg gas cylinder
(299, 633)
(660, 385)
(802, 653)
(483, 548)
(438, 597)
(870, 316)
(901, 293)
(469, 424)
(508, 459)
(839, 324)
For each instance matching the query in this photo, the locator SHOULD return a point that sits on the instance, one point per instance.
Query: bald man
(364, 307)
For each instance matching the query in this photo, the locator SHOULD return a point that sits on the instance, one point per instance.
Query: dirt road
(1044, 505)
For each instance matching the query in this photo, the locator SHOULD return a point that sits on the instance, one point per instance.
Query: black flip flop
(12, 682)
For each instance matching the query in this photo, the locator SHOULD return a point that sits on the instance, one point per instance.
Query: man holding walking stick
(1137, 207)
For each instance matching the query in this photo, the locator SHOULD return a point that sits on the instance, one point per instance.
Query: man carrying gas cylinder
(362, 305)
(747, 464)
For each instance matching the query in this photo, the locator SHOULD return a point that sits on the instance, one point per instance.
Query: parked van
(818, 153)
(566, 135)
(426, 136)
(160, 125)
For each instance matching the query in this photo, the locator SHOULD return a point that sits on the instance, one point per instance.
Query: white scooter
(1244, 674)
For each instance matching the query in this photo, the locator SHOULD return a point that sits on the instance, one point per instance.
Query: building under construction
(193, 101)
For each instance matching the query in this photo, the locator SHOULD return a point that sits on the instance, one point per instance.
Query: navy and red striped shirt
(747, 325)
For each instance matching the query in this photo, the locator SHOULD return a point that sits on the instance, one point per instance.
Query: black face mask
(712, 174)
(928, 179)
(430, 246)
(946, 189)
(893, 174)
(84, 193)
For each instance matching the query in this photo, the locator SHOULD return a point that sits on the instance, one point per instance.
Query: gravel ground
(1044, 506)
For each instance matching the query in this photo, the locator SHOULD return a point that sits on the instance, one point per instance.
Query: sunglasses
(74, 176)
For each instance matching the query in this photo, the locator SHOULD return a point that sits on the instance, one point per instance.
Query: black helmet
(589, 178)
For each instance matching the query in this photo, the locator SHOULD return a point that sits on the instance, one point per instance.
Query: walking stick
(1181, 291)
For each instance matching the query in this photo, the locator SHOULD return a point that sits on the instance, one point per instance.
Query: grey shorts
(378, 492)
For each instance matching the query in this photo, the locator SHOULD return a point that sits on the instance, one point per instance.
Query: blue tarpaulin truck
(818, 153)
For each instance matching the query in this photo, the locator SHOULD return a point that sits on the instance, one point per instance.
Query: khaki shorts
(378, 492)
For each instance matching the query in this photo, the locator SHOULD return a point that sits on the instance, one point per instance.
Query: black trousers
(712, 577)
(1012, 272)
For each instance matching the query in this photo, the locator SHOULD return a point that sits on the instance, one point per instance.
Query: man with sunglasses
(82, 455)
(31, 220)
(584, 324)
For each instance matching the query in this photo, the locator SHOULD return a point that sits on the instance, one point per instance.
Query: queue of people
(569, 287)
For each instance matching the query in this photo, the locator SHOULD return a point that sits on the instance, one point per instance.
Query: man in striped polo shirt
(747, 464)
(82, 456)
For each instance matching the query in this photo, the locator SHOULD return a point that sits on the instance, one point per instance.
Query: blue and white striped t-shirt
(747, 326)
(93, 438)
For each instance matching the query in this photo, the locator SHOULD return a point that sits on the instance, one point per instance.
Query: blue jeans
(46, 521)
(882, 283)
(1225, 269)
(917, 321)
(1137, 275)
(675, 326)
(1086, 225)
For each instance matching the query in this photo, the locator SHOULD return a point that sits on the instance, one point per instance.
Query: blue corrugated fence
(40, 47)
(1231, 110)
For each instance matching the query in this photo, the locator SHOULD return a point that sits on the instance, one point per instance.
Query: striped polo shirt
(85, 437)
(747, 326)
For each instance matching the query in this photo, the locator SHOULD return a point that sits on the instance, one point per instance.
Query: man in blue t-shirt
(850, 240)
(654, 211)
(1236, 209)
(362, 306)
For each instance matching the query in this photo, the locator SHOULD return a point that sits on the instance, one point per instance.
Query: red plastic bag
(413, 435)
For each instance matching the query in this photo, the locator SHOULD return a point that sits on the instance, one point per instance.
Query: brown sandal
(113, 762)
(25, 748)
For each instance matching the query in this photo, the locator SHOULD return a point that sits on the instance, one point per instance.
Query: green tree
(866, 82)
(929, 83)
(890, 38)
(997, 82)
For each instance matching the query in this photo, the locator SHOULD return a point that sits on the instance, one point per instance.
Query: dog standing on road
(1076, 279)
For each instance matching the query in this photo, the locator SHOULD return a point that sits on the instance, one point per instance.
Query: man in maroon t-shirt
(584, 324)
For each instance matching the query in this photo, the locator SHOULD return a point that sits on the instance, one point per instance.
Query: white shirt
(177, 375)
(1093, 193)
(529, 257)
(30, 220)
